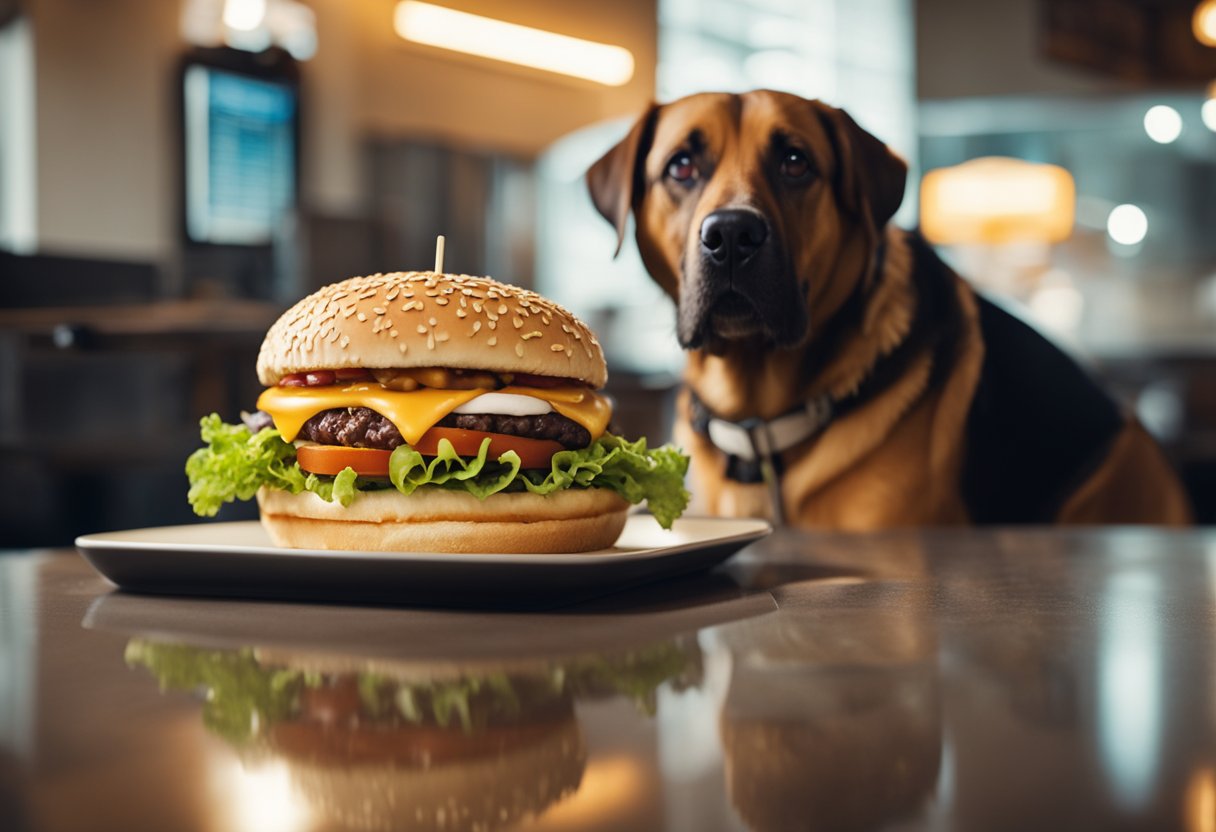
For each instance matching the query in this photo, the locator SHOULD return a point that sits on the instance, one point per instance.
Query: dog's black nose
(733, 234)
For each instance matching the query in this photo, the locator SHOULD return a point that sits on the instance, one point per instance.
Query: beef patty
(362, 427)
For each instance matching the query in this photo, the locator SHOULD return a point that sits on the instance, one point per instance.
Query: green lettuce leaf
(236, 463)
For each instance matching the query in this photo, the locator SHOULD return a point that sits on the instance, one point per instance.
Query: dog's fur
(964, 415)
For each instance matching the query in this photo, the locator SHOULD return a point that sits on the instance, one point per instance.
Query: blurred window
(17, 146)
(1135, 274)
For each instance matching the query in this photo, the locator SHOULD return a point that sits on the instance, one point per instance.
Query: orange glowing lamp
(997, 200)
(1203, 23)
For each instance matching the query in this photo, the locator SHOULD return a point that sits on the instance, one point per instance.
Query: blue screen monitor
(240, 155)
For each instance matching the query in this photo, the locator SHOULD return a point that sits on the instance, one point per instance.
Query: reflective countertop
(965, 680)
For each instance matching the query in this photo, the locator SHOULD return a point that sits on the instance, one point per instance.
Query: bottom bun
(520, 781)
(574, 520)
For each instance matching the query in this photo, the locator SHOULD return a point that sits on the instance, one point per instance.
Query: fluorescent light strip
(501, 41)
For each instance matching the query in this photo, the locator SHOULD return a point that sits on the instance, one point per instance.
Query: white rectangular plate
(237, 559)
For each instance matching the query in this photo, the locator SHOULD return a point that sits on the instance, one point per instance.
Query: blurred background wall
(121, 322)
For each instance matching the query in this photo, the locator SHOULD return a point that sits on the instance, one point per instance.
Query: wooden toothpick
(439, 254)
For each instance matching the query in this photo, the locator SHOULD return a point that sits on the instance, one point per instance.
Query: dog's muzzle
(739, 286)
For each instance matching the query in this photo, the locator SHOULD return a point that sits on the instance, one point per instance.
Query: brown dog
(839, 374)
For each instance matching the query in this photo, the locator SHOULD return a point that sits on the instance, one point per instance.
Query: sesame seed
(502, 309)
(379, 310)
(464, 302)
(430, 340)
(421, 329)
(345, 340)
(476, 328)
(536, 333)
(393, 333)
(388, 324)
(493, 323)
(441, 301)
(392, 293)
(403, 347)
(460, 313)
(557, 348)
(362, 318)
(441, 337)
(518, 322)
(432, 321)
(476, 306)
(493, 340)
(519, 350)
(430, 293)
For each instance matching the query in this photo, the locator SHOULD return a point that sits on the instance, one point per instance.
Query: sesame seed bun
(424, 319)
(436, 520)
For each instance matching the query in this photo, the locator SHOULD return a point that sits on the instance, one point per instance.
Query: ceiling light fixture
(498, 40)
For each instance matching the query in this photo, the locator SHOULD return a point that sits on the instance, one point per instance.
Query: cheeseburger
(420, 411)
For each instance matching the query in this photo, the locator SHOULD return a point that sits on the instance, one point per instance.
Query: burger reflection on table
(407, 745)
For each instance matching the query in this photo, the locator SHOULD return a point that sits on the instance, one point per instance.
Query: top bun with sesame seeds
(409, 320)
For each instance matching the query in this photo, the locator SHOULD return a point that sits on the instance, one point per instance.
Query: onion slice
(506, 404)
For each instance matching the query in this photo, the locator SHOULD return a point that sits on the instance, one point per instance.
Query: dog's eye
(794, 164)
(681, 168)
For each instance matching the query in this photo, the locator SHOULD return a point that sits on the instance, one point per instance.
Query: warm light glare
(1201, 802)
(610, 787)
(1127, 225)
(1204, 22)
(501, 41)
(997, 200)
(259, 797)
(244, 15)
(1163, 124)
(1208, 112)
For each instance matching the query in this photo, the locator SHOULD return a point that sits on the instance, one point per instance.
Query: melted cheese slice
(416, 412)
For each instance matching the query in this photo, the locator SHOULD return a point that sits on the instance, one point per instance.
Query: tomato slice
(334, 459)
(533, 453)
(370, 462)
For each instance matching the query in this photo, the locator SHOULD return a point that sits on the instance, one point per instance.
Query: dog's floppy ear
(870, 178)
(616, 180)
